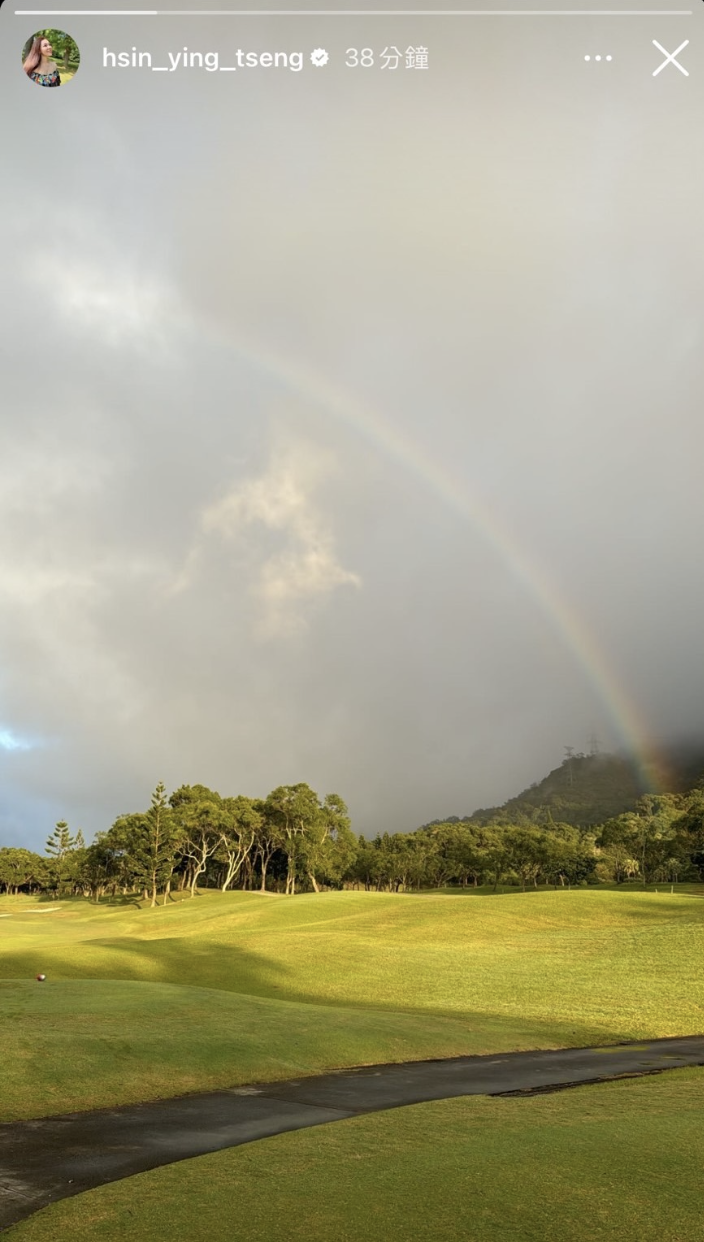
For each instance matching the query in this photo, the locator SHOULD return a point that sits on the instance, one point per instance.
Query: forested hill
(589, 789)
(584, 790)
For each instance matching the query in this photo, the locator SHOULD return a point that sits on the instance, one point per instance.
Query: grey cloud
(505, 280)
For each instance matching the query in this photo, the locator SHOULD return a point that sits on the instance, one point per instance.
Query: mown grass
(620, 1161)
(628, 886)
(89, 1043)
(262, 987)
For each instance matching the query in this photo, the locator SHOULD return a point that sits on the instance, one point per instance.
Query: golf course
(233, 988)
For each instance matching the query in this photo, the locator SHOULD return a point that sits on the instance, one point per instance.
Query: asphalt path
(55, 1157)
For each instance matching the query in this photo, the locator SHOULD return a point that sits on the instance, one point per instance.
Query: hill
(586, 790)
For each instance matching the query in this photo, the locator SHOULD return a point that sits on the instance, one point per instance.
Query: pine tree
(154, 845)
(59, 847)
(60, 843)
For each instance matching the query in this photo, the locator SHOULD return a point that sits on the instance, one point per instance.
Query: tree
(524, 847)
(201, 819)
(293, 812)
(614, 862)
(328, 846)
(496, 853)
(60, 843)
(73, 877)
(153, 845)
(688, 831)
(567, 854)
(267, 840)
(240, 823)
(365, 867)
(122, 844)
(460, 854)
(653, 829)
(20, 868)
(103, 865)
(60, 846)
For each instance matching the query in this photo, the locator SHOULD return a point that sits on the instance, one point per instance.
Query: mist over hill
(586, 790)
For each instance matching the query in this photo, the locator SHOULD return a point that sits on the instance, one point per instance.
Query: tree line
(660, 840)
(195, 837)
(294, 840)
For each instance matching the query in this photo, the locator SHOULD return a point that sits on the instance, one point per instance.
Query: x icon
(670, 57)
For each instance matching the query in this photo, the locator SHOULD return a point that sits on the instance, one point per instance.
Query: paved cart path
(54, 1157)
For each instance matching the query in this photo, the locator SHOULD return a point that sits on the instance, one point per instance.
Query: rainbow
(533, 577)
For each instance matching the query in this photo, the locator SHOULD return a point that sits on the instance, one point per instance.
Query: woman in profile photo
(39, 65)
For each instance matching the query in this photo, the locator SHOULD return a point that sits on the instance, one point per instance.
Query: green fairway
(618, 1161)
(232, 987)
(82, 1044)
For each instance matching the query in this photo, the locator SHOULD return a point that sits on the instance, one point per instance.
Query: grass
(85, 1044)
(620, 1162)
(695, 888)
(235, 987)
(67, 70)
(230, 988)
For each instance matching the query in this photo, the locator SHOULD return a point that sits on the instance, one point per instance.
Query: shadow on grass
(323, 1035)
(88, 903)
(23, 903)
(206, 965)
(225, 968)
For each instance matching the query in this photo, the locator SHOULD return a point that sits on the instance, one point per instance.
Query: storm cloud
(350, 429)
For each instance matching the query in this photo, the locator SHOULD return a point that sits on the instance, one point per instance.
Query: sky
(350, 420)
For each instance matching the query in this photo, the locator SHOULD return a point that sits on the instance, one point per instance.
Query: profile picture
(50, 58)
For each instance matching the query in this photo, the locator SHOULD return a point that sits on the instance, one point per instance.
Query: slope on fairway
(84, 1044)
(261, 986)
(620, 1160)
